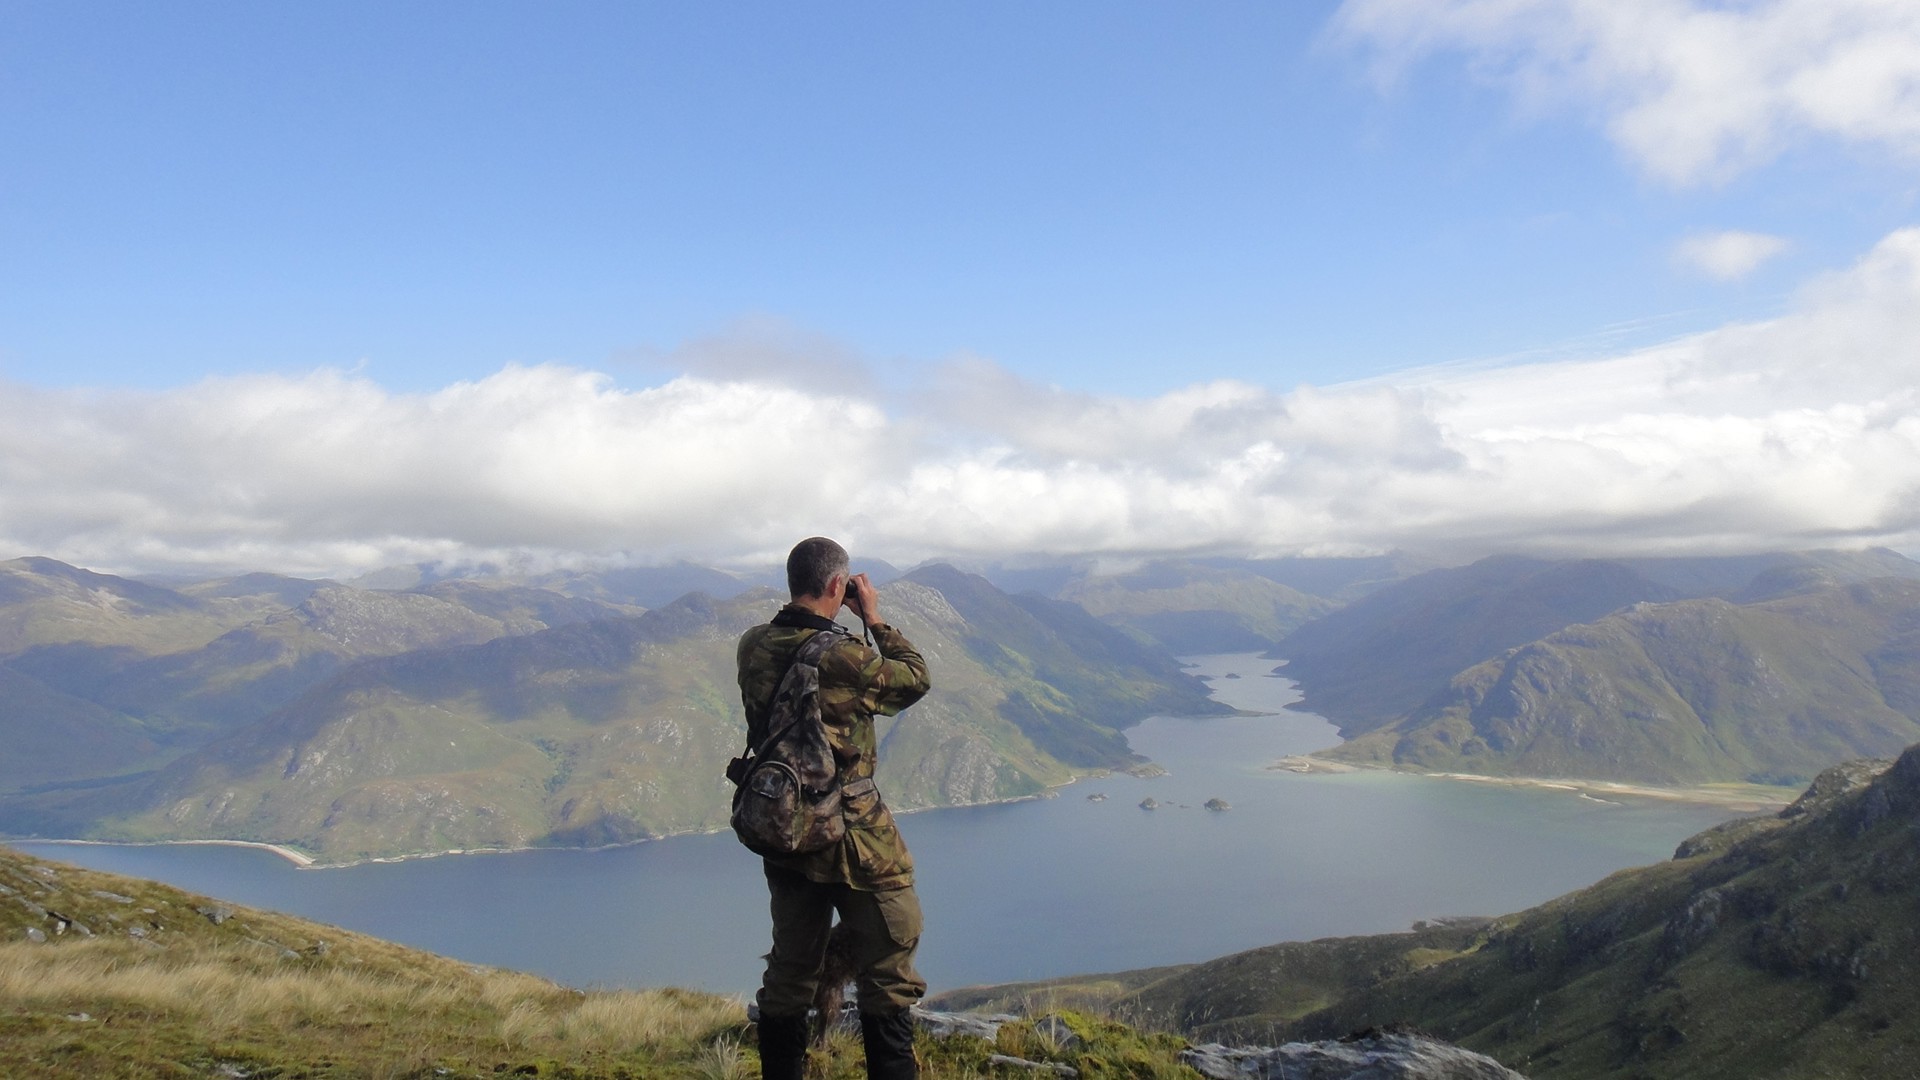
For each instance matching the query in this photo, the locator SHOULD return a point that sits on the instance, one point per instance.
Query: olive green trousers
(882, 928)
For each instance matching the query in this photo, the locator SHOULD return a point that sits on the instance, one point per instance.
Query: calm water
(1017, 891)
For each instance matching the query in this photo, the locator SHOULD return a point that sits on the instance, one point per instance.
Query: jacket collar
(797, 616)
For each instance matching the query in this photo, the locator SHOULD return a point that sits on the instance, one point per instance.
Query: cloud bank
(1694, 92)
(1797, 432)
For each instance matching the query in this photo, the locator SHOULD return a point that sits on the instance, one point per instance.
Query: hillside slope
(1680, 693)
(93, 706)
(108, 976)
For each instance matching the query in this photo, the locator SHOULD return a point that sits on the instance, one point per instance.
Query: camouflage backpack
(788, 797)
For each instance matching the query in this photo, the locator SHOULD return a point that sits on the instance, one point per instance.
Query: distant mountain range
(358, 723)
(592, 707)
(1684, 692)
(1623, 670)
(1192, 607)
(1771, 947)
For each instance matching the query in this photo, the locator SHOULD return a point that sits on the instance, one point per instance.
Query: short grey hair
(811, 565)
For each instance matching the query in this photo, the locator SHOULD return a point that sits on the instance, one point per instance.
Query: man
(867, 876)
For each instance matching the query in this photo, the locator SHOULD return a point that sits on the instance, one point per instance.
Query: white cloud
(1727, 256)
(1693, 91)
(1800, 431)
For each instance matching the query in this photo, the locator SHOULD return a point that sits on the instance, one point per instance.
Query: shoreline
(1748, 798)
(298, 858)
(1738, 797)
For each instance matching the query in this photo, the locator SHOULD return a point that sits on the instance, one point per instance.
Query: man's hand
(863, 598)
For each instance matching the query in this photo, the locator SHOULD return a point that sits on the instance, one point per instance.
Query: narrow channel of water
(1016, 891)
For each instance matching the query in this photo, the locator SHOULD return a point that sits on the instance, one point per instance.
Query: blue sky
(920, 224)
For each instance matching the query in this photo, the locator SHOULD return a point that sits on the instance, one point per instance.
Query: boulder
(1367, 1056)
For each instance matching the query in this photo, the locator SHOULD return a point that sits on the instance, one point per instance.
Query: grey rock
(1218, 804)
(215, 913)
(1149, 803)
(1367, 1057)
(1685, 931)
(63, 923)
(943, 1025)
(113, 896)
(1054, 1030)
(36, 935)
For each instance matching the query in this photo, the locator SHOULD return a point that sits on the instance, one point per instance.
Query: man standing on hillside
(867, 876)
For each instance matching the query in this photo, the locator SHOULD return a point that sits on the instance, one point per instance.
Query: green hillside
(1191, 608)
(108, 976)
(159, 706)
(618, 729)
(1777, 947)
(1682, 693)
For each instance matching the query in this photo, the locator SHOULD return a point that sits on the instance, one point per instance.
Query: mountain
(184, 697)
(1191, 607)
(1372, 662)
(47, 602)
(1773, 947)
(644, 586)
(53, 738)
(1071, 682)
(1341, 579)
(1745, 578)
(1679, 693)
(618, 729)
(259, 595)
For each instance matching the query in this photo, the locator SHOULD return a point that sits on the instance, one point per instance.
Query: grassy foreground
(108, 976)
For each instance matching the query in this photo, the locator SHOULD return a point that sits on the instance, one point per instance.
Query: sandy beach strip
(297, 858)
(1750, 798)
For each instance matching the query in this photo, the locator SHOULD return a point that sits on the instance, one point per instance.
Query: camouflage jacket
(856, 684)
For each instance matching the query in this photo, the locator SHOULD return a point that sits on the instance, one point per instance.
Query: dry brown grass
(134, 979)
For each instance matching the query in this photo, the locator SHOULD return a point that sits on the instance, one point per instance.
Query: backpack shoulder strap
(808, 654)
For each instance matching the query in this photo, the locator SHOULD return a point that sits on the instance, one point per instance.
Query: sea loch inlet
(1086, 881)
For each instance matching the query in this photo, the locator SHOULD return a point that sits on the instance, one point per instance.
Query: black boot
(783, 1047)
(889, 1041)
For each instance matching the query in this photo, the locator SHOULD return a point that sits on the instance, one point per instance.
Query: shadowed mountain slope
(1072, 682)
(1371, 662)
(1680, 693)
(1384, 655)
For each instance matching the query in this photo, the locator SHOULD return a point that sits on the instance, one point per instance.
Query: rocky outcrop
(1367, 1056)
